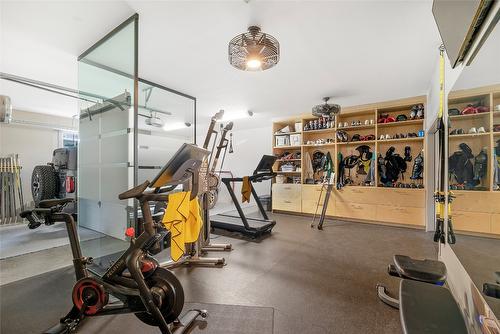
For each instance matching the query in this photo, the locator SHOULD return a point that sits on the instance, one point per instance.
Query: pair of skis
(11, 190)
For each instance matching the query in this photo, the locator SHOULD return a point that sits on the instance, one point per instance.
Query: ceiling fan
(326, 109)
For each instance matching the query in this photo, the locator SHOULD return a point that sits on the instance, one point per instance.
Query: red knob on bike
(130, 232)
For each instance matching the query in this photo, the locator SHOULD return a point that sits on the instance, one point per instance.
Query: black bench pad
(428, 308)
(429, 271)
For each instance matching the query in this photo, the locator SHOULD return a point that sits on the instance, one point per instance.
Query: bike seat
(429, 271)
(134, 192)
(49, 203)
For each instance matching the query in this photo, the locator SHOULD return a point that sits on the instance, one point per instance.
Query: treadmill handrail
(267, 175)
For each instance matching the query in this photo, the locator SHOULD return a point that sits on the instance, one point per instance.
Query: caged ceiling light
(254, 50)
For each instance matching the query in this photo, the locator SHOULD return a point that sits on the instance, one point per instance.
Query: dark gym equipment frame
(253, 227)
(114, 280)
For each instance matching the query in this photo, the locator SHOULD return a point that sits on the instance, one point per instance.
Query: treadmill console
(265, 165)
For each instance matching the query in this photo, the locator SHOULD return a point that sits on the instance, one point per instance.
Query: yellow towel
(182, 218)
(246, 190)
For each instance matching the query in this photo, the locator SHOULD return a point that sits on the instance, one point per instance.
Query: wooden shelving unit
(359, 142)
(401, 123)
(401, 140)
(372, 203)
(319, 145)
(469, 135)
(360, 127)
(318, 131)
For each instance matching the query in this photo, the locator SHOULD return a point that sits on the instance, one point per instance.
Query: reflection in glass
(166, 121)
(474, 155)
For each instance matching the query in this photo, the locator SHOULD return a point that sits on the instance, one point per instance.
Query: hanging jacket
(308, 167)
(182, 218)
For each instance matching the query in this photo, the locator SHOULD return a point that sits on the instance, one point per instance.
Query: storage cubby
(359, 117)
(476, 143)
(360, 174)
(309, 176)
(462, 102)
(292, 158)
(416, 146)
(468, 122)
(326, 136)
(287, 133)
(395, 111)
(495, 126)
(403, 129)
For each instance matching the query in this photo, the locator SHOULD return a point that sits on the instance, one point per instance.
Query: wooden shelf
(469, 135)
(470, 116)
(286, 160)
(359, 142)
(318, 145)
(281, 172)
(369, 126)
(394, 140)
(288, 133)
(320, 131)
(285, 147)
(402, 123)
(495, 134)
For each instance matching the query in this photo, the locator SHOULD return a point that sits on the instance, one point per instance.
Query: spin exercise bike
(135, 279)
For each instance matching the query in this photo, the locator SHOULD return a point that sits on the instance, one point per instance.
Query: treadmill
(252, 227)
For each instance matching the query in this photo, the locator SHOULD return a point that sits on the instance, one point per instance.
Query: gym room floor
(316, 281)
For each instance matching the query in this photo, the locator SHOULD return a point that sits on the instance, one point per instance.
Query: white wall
(33, 144)
(249, 146)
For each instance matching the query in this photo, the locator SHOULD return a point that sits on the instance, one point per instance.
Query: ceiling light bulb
(254, 64)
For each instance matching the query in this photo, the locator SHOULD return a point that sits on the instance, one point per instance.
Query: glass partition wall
(129, 128)
(106, 158)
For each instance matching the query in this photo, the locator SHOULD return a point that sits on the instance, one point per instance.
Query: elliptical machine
(135, 279)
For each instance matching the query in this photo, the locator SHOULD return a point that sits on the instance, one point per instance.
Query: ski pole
(20, 182)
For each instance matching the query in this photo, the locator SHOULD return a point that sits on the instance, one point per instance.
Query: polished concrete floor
(316, 281)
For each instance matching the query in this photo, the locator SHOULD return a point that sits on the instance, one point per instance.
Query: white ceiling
(356, 51)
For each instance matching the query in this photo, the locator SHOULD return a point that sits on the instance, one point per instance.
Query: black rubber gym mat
(36, 303)
(231, 319)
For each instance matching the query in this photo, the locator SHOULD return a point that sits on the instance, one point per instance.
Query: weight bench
(426, 271)
(428, 308)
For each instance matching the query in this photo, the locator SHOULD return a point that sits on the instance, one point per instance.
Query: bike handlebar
(34, 219)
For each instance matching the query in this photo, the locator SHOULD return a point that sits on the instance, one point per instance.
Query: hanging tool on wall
(230, 146)
(328, 183)
(11, 197)
(441, 195)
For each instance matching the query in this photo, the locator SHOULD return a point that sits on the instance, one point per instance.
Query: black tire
(43, 183)
(173, 303)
